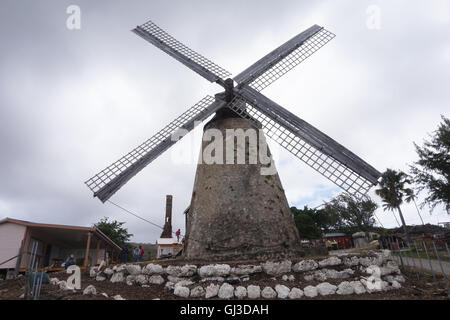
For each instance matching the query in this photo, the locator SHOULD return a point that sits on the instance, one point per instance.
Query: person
(141, 253)
(178, 235)
(125, 254)
(136, 254)
(69, 261)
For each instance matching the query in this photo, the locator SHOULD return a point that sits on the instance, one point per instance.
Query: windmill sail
(283, 59)
(108, 181)
(307, 143)
(196, 62)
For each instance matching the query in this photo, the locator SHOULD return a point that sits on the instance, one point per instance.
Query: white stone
(118, 297)
(181, 291)
(368, 261)
(331, 261)
(90, 290)
(305, 265)
(217, 270)
(117, 277)
(295, 293)
(245, 270)
(104, 294)
(345, 288)
(253, 292)
(396, 285)
(351, 261)
(184, 283)
(92, 272)
(240, 292)
(63, 285)
(184, 271)
(309, 277)
(326, 289)
(291, 278)
(100, 278)
(130, 280)
(133, 269)
(141, 279)
(268, 293)
(108, 272)
(212, 290)
(156, 279)
(151, 269)
(284, 277)
(282, 291)
(277, 268)
(54, 281)
(169, 285)
(358, 287)
(310, 292)
(197, 292)
(226, 291)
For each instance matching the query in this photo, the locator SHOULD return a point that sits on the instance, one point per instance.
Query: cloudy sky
(73, 101)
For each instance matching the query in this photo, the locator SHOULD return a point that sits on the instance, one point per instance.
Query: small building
(343, 241)
(361, 239)
(167, 245)
(54, 244)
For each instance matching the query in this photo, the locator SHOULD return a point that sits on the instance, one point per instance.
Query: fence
(423, 258)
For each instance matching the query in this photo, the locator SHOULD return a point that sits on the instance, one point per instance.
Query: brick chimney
(167, 231)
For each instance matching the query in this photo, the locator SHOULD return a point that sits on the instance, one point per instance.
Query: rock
(120, 268)
(118, 297)
(218, 279)
(184, 283)
(233, 280)
(130, 280)
(90, 290)
(358, 287)
(253, 292)
(345, 288)
(305, 265)
(104, 294)
(133, 269)
(295, 293)
(117, 277)
(108, 272)
(268, 293)
(63, 285)
(245, 270)
(217, 270)
(197, 292)
(310, 292)
(92, 272)
(368, 261)
(156, 279)
(374, 284)
(396, 285)
(319, 275)
(351, 261)
(54, 281)
(100, 278)
(145, 286)
(326, 289)
(151, 269)
(284, 277)
(184, 271)
(333, 274)
(181, 291)
(226, 291)
(212, 290)
(240, 292)
(142, 279)
(331, 261)
(22, 296)
(169, 285)
(309, 277)
(282, 291)
(277, 268)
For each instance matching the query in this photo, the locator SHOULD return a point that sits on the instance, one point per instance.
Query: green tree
(311, 223)
(351, 214)
(432, 171)
(393, 192)
(114, 231)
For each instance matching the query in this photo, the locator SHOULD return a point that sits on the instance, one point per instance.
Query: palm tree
(393, 192)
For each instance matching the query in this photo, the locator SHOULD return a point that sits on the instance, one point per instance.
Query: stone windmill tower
(239, 210)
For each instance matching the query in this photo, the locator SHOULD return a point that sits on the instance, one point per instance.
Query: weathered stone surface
(117, 277)
(93, 272)
(217, 270)
(351, 261)
(358, 287)
(197, 292)
(184, 283)
(151, 269)
(368, 261)
(277, 268)
(175, 279)
(226, 291)
(396, 285)
(240, 292)
(182, 271)
(118, 297)
(257, 214)
(326, 289)
(305, 265)
(181, 291)
(331, 261)
(90, 290)
(169, 285)
(108, 272)
(141, 279)
(345, 288)
(245, 270)
(133, 269)
(156, 279)
(282, 291)
(253, 292)
(130, 279)
(54, 281)
(268, 293)
(310, 292)
(295, 293)
(100, 278)
(212, 290)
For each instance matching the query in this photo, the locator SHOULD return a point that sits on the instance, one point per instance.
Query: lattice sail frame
(151, 30)
(327, 166)
(157, 144)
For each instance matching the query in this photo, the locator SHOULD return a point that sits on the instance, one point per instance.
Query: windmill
(242, 105)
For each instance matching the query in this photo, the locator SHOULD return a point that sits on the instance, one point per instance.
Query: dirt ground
(413, 289)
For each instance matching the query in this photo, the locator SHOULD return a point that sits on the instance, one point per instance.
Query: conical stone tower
(236, 211)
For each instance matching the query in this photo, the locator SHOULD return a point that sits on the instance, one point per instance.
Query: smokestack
(167, 231)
